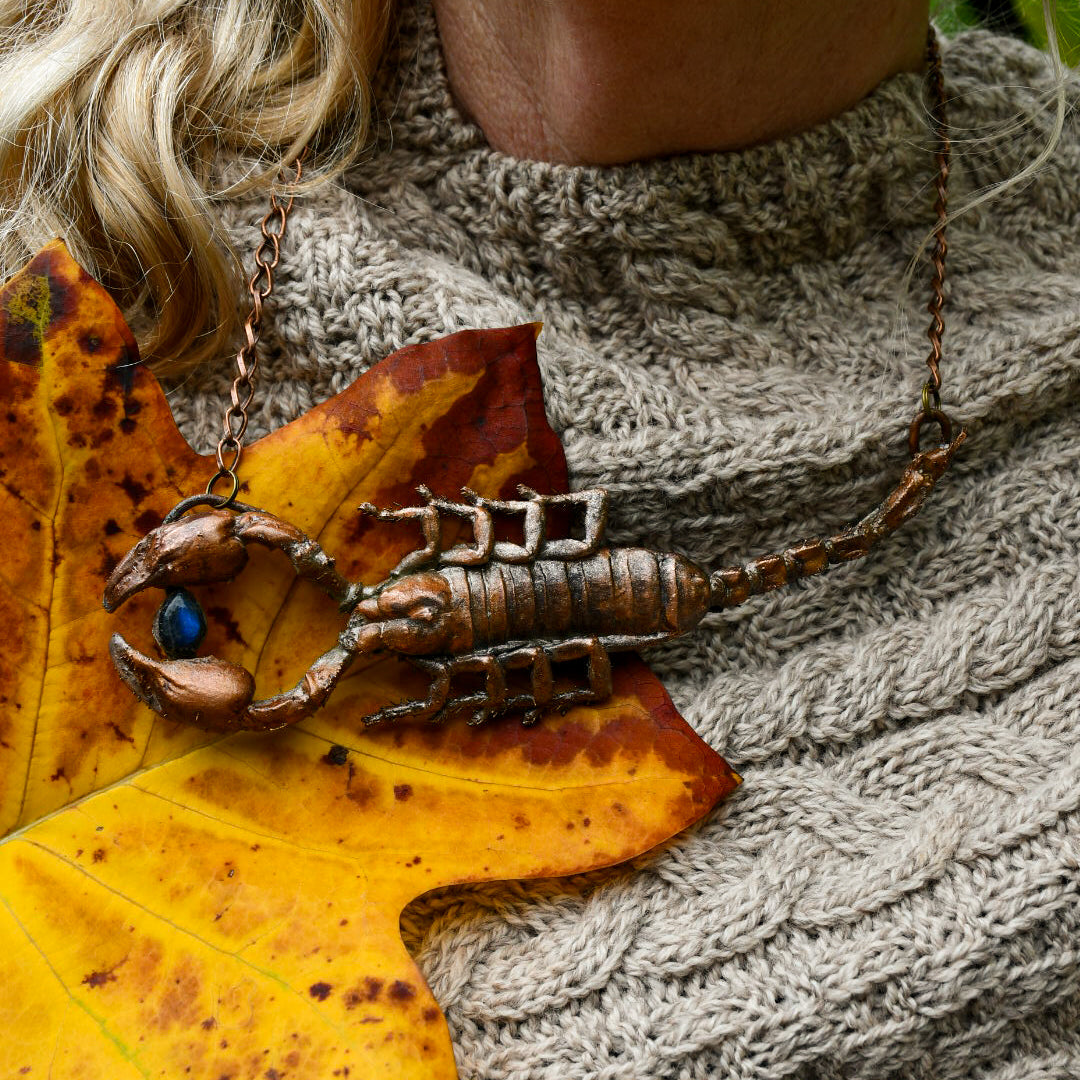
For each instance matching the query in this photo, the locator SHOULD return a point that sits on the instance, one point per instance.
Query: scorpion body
(474, 612)
(610, 594)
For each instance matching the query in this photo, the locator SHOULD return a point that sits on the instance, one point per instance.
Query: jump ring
(223, 474)
(915, 431)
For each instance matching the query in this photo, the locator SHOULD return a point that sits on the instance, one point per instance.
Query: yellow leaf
(179, 904)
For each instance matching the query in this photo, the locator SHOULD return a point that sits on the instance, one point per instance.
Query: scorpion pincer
(483, 609)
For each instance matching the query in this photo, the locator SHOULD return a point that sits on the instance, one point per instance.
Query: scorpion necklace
(486, 607)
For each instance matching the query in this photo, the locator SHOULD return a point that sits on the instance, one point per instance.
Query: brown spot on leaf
(320, 991)
(147, 520)
(208, 1024)
(99, 855)
(135, 491)
(122, 735)
(179, 1004)
(363, 790)
(221, 616)
(401, 992)
(108, 564)
(402, 792)
(367, 991)
(98, 978)
(110, 528)
(430, 1014)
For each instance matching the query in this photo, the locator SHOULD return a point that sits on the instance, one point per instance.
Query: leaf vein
(185, 932)
(129, 1055)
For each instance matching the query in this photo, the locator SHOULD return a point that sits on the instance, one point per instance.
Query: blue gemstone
(179, 625)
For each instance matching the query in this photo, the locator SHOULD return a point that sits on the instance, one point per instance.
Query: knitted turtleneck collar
(812, 194)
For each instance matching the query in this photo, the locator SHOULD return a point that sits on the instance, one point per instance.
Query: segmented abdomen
(620, 591)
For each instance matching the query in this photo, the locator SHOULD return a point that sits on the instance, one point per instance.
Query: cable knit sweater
(894, 890)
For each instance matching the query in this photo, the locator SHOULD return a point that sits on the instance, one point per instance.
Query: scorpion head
(414, 615)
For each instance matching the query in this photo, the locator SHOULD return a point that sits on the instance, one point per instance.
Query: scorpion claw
(207, 692)
(194, 550)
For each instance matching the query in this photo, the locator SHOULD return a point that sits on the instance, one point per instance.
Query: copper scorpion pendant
(486, 620)
(485, 608)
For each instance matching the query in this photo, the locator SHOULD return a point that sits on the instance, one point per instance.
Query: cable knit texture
(894, 891)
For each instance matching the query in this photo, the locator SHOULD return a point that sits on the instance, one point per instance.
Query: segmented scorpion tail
(734, 585)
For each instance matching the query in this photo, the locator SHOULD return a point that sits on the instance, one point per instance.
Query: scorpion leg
(478, 551)
(594, 503)
(533, 526)
(424, 708)
(598, 671)
(536, 660)
(490, 701)
(428, 516)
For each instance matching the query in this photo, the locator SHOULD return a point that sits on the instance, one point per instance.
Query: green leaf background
(1023, 17)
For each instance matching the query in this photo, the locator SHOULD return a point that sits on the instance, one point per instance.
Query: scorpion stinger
(472, 616)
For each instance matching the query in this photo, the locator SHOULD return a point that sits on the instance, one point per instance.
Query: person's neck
(608, 81)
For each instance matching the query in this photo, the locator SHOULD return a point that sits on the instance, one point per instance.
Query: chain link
(242, 393)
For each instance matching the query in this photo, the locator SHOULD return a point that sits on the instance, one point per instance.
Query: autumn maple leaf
(181, 904)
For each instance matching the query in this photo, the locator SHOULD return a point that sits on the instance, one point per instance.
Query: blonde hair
(116, 115)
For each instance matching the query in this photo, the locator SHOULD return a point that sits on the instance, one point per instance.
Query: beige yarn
(894, 890)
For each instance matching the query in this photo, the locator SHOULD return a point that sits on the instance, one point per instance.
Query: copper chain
(242, 393)
(931, 390)
(268, 253)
